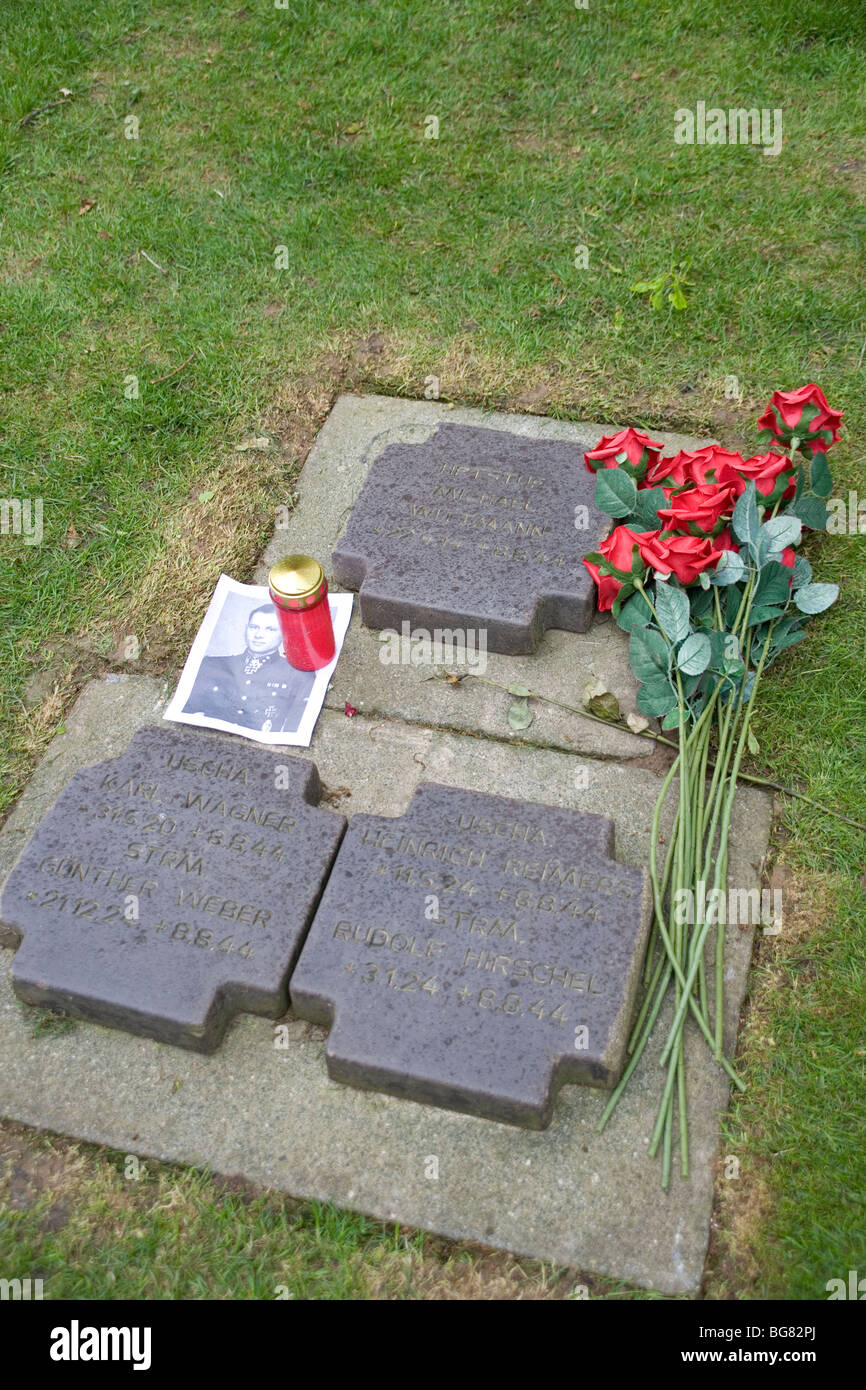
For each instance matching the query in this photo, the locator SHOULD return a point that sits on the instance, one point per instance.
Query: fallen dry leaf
(72, 538)
(86, 205)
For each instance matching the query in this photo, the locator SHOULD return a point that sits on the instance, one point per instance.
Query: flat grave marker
(476, 953)
(475, 529)
(171, 887)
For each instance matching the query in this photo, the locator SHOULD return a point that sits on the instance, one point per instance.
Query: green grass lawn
(408, 257)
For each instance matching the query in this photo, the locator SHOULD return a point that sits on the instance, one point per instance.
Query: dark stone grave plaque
(475, 529)
(525, 982)
(171, 887)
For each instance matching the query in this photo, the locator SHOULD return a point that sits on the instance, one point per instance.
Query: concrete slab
(263, 1105)
(357, 431)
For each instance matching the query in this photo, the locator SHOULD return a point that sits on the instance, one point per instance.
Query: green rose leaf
(615, 492)
(787, 640)
(801, 481)
(763, 613)
(647, 505)
(672, 718)
(814, 598)
(622, 598)
(656, 696)
(701, 603)
(774, 585)
(733, 599)
(519, 690)
(730, 569)
(690, 685)
(745, 521)
(520, 716)
(672, 607)
(718, 646)
(693, 655)
(634, 613)
(810, 510)
(648, 653)
(779, 532)
(820, 477)
(802, 571)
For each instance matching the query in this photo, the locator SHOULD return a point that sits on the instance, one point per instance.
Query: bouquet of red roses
(702, 572)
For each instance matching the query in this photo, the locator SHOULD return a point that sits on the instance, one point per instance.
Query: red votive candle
(299, 590)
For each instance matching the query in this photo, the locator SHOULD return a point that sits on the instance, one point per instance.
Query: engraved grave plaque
(170, 888)
(476, 953)
(475, 529)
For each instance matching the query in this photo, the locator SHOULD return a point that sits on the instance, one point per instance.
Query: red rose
(618, 549)
(637, 449)
(671, 471)
(702, 506)
(805, 414)
(684, 556)
(711, 464)
(766, 470)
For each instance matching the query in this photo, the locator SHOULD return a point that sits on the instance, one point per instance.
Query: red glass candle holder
(299, 591)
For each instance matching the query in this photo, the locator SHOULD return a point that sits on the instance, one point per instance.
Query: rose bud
(772, 474)
(618, 550)
(626, 448)
(803, 414)
(700, 509)
(684, 556)
(708, 465)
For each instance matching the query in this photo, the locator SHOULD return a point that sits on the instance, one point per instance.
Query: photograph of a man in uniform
(255, 688)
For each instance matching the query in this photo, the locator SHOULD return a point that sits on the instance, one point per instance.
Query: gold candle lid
(297, 581)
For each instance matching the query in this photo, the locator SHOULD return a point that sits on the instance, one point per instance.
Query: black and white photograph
(237, 676)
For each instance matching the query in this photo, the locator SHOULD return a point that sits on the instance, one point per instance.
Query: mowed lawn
(214, 217)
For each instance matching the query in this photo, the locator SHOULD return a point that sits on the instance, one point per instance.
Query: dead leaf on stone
(520, 716)
(637, 722)
(86, 205)
(598, 700)
(605, 707)
(260, 442)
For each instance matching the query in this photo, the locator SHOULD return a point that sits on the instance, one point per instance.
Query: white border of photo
(341, 613)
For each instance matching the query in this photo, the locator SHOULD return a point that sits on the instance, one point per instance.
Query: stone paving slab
(357, 431)
(565, 1194)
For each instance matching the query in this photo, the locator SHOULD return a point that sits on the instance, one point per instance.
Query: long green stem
(701, 935)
